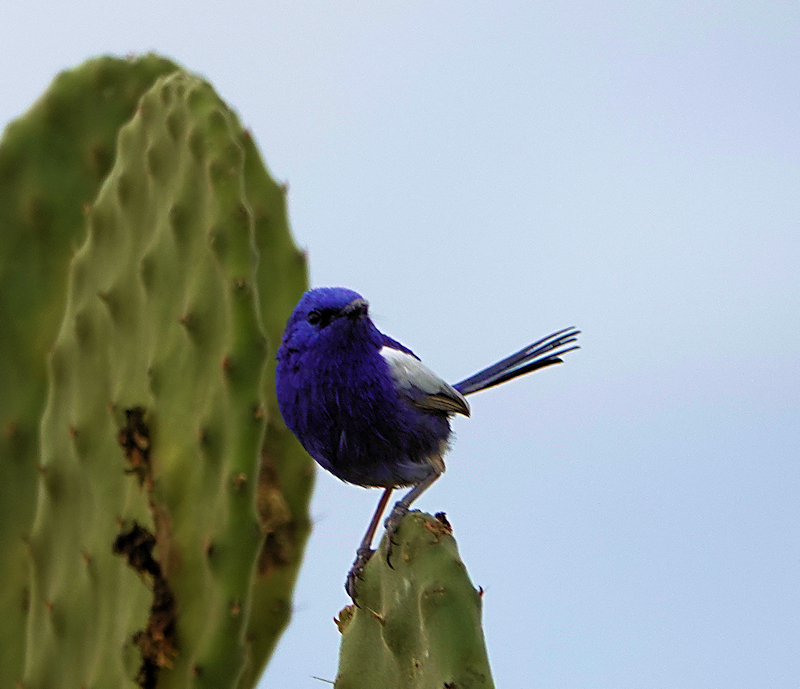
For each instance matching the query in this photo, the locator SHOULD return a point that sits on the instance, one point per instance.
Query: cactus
(418, 618)
(172, 502)
(52, 162)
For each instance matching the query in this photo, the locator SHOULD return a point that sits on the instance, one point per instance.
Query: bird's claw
(362, 558)
(364, 554)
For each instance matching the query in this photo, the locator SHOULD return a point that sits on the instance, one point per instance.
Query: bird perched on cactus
(368, 410)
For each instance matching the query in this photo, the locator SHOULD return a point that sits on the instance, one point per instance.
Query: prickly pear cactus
(172, 502)
(418, 621)
(52, 162)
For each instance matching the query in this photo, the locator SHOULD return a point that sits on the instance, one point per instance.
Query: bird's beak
(356, 308)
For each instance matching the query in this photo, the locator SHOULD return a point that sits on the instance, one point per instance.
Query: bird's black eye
(314, 317)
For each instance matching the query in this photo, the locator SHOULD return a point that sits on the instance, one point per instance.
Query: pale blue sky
(486, 173)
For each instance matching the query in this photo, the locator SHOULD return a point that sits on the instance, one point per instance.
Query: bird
(367, 409)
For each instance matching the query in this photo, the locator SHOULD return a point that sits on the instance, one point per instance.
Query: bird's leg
(364, 551)
(401, 507)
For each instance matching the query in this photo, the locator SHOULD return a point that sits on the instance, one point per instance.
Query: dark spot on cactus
(134, 437)
(137, 544)
(274, 520)
(441, 517)
(480, 592)
(274, 553)
(236, 608)
(157, 642)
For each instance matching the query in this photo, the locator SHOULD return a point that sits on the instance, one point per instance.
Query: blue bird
(368, 410)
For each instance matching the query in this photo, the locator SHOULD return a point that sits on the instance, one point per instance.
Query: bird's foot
(392, 522)
(362, 558)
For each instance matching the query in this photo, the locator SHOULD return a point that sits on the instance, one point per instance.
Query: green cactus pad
(172, 505)
(418, 622)
(52, 162)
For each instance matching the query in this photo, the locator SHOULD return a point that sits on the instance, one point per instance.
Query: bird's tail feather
(544, 352)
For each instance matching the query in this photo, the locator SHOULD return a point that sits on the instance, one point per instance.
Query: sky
(486, 173)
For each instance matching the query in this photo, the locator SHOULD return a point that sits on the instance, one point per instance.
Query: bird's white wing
(422, 386)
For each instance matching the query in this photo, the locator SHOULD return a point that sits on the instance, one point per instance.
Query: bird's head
(327, 316)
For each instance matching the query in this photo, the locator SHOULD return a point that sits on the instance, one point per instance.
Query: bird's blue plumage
(337, 395)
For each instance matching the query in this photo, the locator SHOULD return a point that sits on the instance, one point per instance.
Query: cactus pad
(418, 621)
(172, 505)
